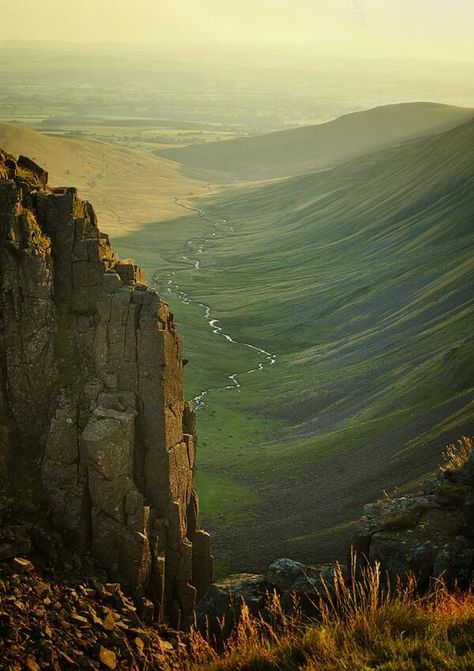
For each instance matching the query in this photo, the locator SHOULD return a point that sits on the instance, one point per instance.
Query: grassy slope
(360, 279)
(128, 188)
(303, 150)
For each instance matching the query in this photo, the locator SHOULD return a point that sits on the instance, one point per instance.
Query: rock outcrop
(95, 434)
(429, 533)
(292, 582)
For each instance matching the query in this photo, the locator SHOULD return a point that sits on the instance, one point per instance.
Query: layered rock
(94, 428)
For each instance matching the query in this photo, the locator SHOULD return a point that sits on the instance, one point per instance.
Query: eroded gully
(197, 247)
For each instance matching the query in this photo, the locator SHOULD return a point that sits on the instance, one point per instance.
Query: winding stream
(198, 246)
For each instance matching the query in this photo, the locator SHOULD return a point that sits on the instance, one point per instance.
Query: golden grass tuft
(456, 455)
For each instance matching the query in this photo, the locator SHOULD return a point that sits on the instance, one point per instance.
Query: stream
(198, 246)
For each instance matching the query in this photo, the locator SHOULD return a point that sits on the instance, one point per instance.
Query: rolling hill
(360, 280)
(128, 187)
(310, 148)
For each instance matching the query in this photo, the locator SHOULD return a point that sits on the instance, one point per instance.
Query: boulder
(219, 609)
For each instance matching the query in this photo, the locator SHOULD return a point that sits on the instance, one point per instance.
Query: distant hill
(128, 187)
(303, 150)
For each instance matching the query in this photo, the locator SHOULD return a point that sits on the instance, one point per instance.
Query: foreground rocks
(95, 435)
(66, 624)
(296, 587)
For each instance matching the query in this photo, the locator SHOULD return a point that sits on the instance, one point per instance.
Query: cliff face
(94, 429)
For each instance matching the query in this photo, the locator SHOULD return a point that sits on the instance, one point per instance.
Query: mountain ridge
(310, 148)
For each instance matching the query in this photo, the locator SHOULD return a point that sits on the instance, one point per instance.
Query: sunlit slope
(128, 188)
(303, 150)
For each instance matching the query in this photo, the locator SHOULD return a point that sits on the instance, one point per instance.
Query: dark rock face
(429, 534)
(94, 428)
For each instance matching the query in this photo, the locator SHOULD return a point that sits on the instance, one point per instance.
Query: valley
(359, 279)
(236, 336)
(326, 316)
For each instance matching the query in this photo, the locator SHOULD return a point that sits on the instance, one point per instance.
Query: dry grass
(456, 455)
(360, 627)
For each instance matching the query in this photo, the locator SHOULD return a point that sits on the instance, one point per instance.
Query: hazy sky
(440, 29)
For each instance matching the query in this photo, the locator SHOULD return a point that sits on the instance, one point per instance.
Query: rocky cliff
(95, 435)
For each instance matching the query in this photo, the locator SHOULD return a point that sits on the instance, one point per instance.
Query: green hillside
(310, 148)
(360, 280)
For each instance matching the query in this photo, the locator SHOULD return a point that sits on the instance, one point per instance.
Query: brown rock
(108, 658)
(426, 533)
(23, 565)
(31, 664)
(109, 622)
(93, 367)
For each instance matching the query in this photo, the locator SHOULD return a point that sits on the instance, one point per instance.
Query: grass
(224, 499)
(403, 520)
(360, 627)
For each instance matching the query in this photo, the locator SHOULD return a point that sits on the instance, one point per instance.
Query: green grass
(224, 499)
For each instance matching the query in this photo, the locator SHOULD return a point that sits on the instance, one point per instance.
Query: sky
(427, 29)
